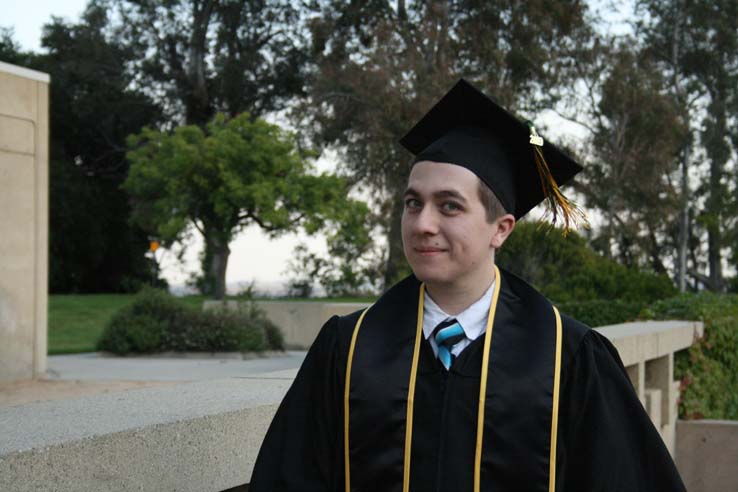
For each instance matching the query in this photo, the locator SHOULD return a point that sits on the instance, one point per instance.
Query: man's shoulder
(573, 330)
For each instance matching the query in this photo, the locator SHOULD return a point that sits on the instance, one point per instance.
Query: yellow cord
(411, 392)
(483, 381)
(346, 463)
(555, 409)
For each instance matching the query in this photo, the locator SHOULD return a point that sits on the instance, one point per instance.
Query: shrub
(565, 269)
(218, 330)
(156, 322)
(708, 370)
(142, 326)
(601, 313)
(272, 334)
(702, 306)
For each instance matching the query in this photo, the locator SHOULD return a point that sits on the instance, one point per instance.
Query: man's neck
(453, 299)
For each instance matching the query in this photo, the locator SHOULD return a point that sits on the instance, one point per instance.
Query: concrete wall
(300, 321)
(707, 454)
(24, 183)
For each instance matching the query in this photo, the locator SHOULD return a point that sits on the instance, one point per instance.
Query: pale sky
(254, 257)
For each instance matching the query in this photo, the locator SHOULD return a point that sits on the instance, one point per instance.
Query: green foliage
(234, 173)
(704, 306)
(228, 56)
(156, 322)
(708, 370)
(599, 312)
(142, 326)
(566, 270)
(350, 268)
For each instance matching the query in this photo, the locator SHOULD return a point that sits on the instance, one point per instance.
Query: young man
(462, 376)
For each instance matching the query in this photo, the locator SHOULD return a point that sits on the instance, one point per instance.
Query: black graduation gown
(606, 441)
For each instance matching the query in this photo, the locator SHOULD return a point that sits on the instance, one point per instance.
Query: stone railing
(205, 436)
(647, 349)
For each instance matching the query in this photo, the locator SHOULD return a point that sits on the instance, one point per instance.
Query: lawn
(76, 321)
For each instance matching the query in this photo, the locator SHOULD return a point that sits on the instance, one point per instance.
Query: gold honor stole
(482, 392)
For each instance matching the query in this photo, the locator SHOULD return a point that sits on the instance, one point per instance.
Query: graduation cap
(468, 129)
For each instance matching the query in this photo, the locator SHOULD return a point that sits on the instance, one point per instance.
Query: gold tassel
(556, 203)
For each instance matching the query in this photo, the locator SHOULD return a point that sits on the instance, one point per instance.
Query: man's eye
(450, 207)
(412, 203)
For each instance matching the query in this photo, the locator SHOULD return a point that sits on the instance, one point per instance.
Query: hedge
(708, 370)
(155, 322)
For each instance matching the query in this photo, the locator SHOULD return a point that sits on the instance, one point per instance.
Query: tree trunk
(219, 253)
(683, 239)
(719, 154)
(197, 99)
(396, 256)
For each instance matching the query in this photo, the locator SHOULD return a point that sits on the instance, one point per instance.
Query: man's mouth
(427, 251)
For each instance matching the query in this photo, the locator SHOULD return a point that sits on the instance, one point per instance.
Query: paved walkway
(73, 376)
(94, 367)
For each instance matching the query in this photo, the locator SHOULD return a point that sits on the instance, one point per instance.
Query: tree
(205, 56)
(236, 172)
(697, 44)
(378, 65)
(637, 130)
(94, 107)
(10, 50)
(200, 57)
(351, 266)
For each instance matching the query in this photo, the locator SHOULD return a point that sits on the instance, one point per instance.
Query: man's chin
(430, 277)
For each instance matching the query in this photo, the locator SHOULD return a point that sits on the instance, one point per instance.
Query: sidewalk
(72, 376)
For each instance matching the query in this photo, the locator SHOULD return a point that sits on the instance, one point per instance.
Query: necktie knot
(447, 334)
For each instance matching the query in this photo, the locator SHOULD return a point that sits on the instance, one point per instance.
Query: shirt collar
(473, 319)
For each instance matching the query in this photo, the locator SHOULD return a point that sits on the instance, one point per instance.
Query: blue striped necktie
(447, 334)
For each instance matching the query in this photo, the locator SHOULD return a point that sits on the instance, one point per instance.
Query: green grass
(76, 321)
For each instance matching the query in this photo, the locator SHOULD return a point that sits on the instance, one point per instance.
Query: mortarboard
(468, 129)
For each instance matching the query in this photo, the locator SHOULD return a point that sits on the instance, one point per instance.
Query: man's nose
(426, 221)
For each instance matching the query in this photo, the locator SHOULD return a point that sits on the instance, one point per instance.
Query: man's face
(445, 235)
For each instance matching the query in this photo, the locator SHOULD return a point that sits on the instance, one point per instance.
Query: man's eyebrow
(412, 192)
(449, 194)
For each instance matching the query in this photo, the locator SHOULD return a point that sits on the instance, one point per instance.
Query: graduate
(462, 377)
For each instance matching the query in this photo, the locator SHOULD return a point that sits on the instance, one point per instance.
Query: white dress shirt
(473, 320)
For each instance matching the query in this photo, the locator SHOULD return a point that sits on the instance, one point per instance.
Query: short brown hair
(491, 203)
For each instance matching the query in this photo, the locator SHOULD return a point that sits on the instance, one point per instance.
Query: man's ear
(503, 227)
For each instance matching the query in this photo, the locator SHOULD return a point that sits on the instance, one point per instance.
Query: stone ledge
(189, 437)
(25, 72)
(646, 340)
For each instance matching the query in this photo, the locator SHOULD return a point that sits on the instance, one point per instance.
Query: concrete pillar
(637, 375)
(24, 219)
(660, 376)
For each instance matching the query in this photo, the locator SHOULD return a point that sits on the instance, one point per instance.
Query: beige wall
(299, 321)
(24, 183)
(707, 454)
